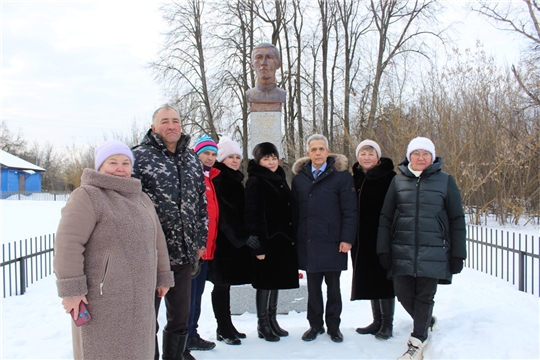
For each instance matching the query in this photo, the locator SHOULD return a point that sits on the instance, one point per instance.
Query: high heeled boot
(375, 326)
(263, 326)
(272, 312)
(222, 313)
(387, 318)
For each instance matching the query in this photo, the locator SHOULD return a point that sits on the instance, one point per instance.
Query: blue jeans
(197, 289)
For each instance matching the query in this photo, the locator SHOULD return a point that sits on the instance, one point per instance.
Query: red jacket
(213, 213)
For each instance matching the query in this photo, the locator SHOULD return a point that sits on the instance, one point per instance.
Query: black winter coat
(422, 223)
(369, 277)
(175, 183)
(269, 216)
(325, 214)
(232, 263)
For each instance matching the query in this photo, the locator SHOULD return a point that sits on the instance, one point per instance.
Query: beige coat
(110, 247)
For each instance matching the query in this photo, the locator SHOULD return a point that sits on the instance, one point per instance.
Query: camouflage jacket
(175, 183)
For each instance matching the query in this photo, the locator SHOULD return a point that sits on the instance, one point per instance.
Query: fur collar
(340, 163)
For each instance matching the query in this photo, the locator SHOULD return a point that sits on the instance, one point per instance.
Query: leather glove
(386, 261)
(456, 265)
(253, 242)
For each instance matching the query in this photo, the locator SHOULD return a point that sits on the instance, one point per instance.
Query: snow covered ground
(479, 316)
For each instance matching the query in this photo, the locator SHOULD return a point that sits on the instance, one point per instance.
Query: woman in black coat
(372, 176)
(269, 217)
(231, 264)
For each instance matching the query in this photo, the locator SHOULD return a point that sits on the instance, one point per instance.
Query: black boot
(222, 313)
(375, 326)
(387, 317)
(272, 311)
(263, 326)
(173, 345)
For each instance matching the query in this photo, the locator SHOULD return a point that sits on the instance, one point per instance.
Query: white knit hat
(110, 148)
(226, 147)
(371, 143)
(421, 143)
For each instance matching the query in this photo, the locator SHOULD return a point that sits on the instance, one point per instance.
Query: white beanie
(226, 147)
(371, 143)
(110, 148)
(421, 143)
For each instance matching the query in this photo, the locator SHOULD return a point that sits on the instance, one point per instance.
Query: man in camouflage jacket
(171, 174)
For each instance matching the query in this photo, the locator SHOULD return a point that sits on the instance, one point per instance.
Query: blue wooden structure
(18, 175)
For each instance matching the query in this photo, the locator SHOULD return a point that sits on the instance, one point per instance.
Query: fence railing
(509, 255)
(37, 196)
(26, 261)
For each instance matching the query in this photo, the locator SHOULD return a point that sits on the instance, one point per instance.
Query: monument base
(243, 300)
(266, 127)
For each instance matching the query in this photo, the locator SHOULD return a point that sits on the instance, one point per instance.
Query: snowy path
(479, 317)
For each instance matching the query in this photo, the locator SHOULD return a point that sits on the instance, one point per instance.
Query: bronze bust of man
(266, 96)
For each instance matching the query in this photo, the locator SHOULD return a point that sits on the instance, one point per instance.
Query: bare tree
(524, 22)
(398, 25)
(181, 66)
(353, 28)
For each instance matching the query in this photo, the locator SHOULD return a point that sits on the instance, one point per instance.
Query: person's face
(420, 160)
(368, 159)
(208, 157)
(167, 125)
(117, 165)
(265, 63)
(318, 153)
(233, 161)
(270, 162)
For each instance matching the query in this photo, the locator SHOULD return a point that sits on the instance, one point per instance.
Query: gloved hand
(456, 265)
(253, 242)
(386, 261)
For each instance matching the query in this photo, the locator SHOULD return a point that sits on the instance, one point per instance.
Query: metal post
(521, 270)
(22, 265)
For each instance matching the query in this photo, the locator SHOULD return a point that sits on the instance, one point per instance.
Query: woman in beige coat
(110, 253)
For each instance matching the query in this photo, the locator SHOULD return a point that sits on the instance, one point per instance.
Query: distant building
(19, 175)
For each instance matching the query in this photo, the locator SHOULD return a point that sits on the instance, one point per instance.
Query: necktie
(316, 173)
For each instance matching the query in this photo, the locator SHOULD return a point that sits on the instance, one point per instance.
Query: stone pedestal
(243, 299)
(266, 127)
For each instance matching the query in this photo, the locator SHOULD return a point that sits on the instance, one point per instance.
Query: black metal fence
(26, 261)
(509, 255)
(506, 254)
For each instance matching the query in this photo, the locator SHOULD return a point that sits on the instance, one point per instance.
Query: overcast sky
(73, 71)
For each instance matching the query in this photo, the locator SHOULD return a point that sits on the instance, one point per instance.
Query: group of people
(159, 220)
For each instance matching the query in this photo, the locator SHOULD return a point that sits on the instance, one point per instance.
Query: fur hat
(421, 143)
(205, 143)
(263, 149)
(110, 148)
(226, 147)
(371, 143)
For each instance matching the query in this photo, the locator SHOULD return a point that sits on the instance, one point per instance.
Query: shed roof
(13, 162)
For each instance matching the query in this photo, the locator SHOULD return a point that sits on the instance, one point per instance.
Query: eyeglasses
(416, 155)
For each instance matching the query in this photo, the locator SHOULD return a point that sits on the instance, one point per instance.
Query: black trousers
(417, 294)
(177, 301)
(315, 299)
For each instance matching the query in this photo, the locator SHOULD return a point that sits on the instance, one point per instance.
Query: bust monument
(266, 96)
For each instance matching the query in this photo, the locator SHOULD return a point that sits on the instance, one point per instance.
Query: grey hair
(267, 45)
(162, 107)
(316, 137)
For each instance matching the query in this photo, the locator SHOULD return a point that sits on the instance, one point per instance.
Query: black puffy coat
(269, 216)
(232, 263)
(369, 277)
(325, 214)
(422, 223)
